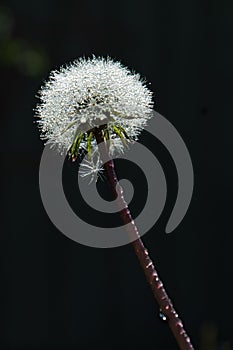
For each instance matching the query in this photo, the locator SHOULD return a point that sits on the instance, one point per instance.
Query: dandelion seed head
(90, 92)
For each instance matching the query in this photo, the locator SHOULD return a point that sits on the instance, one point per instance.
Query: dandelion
(86, 94)
(100, 106)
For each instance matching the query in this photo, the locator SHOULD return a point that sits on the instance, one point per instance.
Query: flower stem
(160, 294)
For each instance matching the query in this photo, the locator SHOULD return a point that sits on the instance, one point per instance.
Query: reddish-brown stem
(152, 277)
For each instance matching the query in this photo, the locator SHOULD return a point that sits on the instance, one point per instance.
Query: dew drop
(162, 316)
(160, 284)
(149, 264)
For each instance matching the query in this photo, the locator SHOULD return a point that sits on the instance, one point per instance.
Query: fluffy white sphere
(89, 92)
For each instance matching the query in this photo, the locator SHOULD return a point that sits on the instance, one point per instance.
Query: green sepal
(89, 144)
(106, 134)
(75, 146)
(120, 134)
(123, 131)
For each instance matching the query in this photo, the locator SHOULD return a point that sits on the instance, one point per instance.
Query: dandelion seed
(92, 169)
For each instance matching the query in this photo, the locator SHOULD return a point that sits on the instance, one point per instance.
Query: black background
(57, 294)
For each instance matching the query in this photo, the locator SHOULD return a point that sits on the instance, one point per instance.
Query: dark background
(57, 294)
